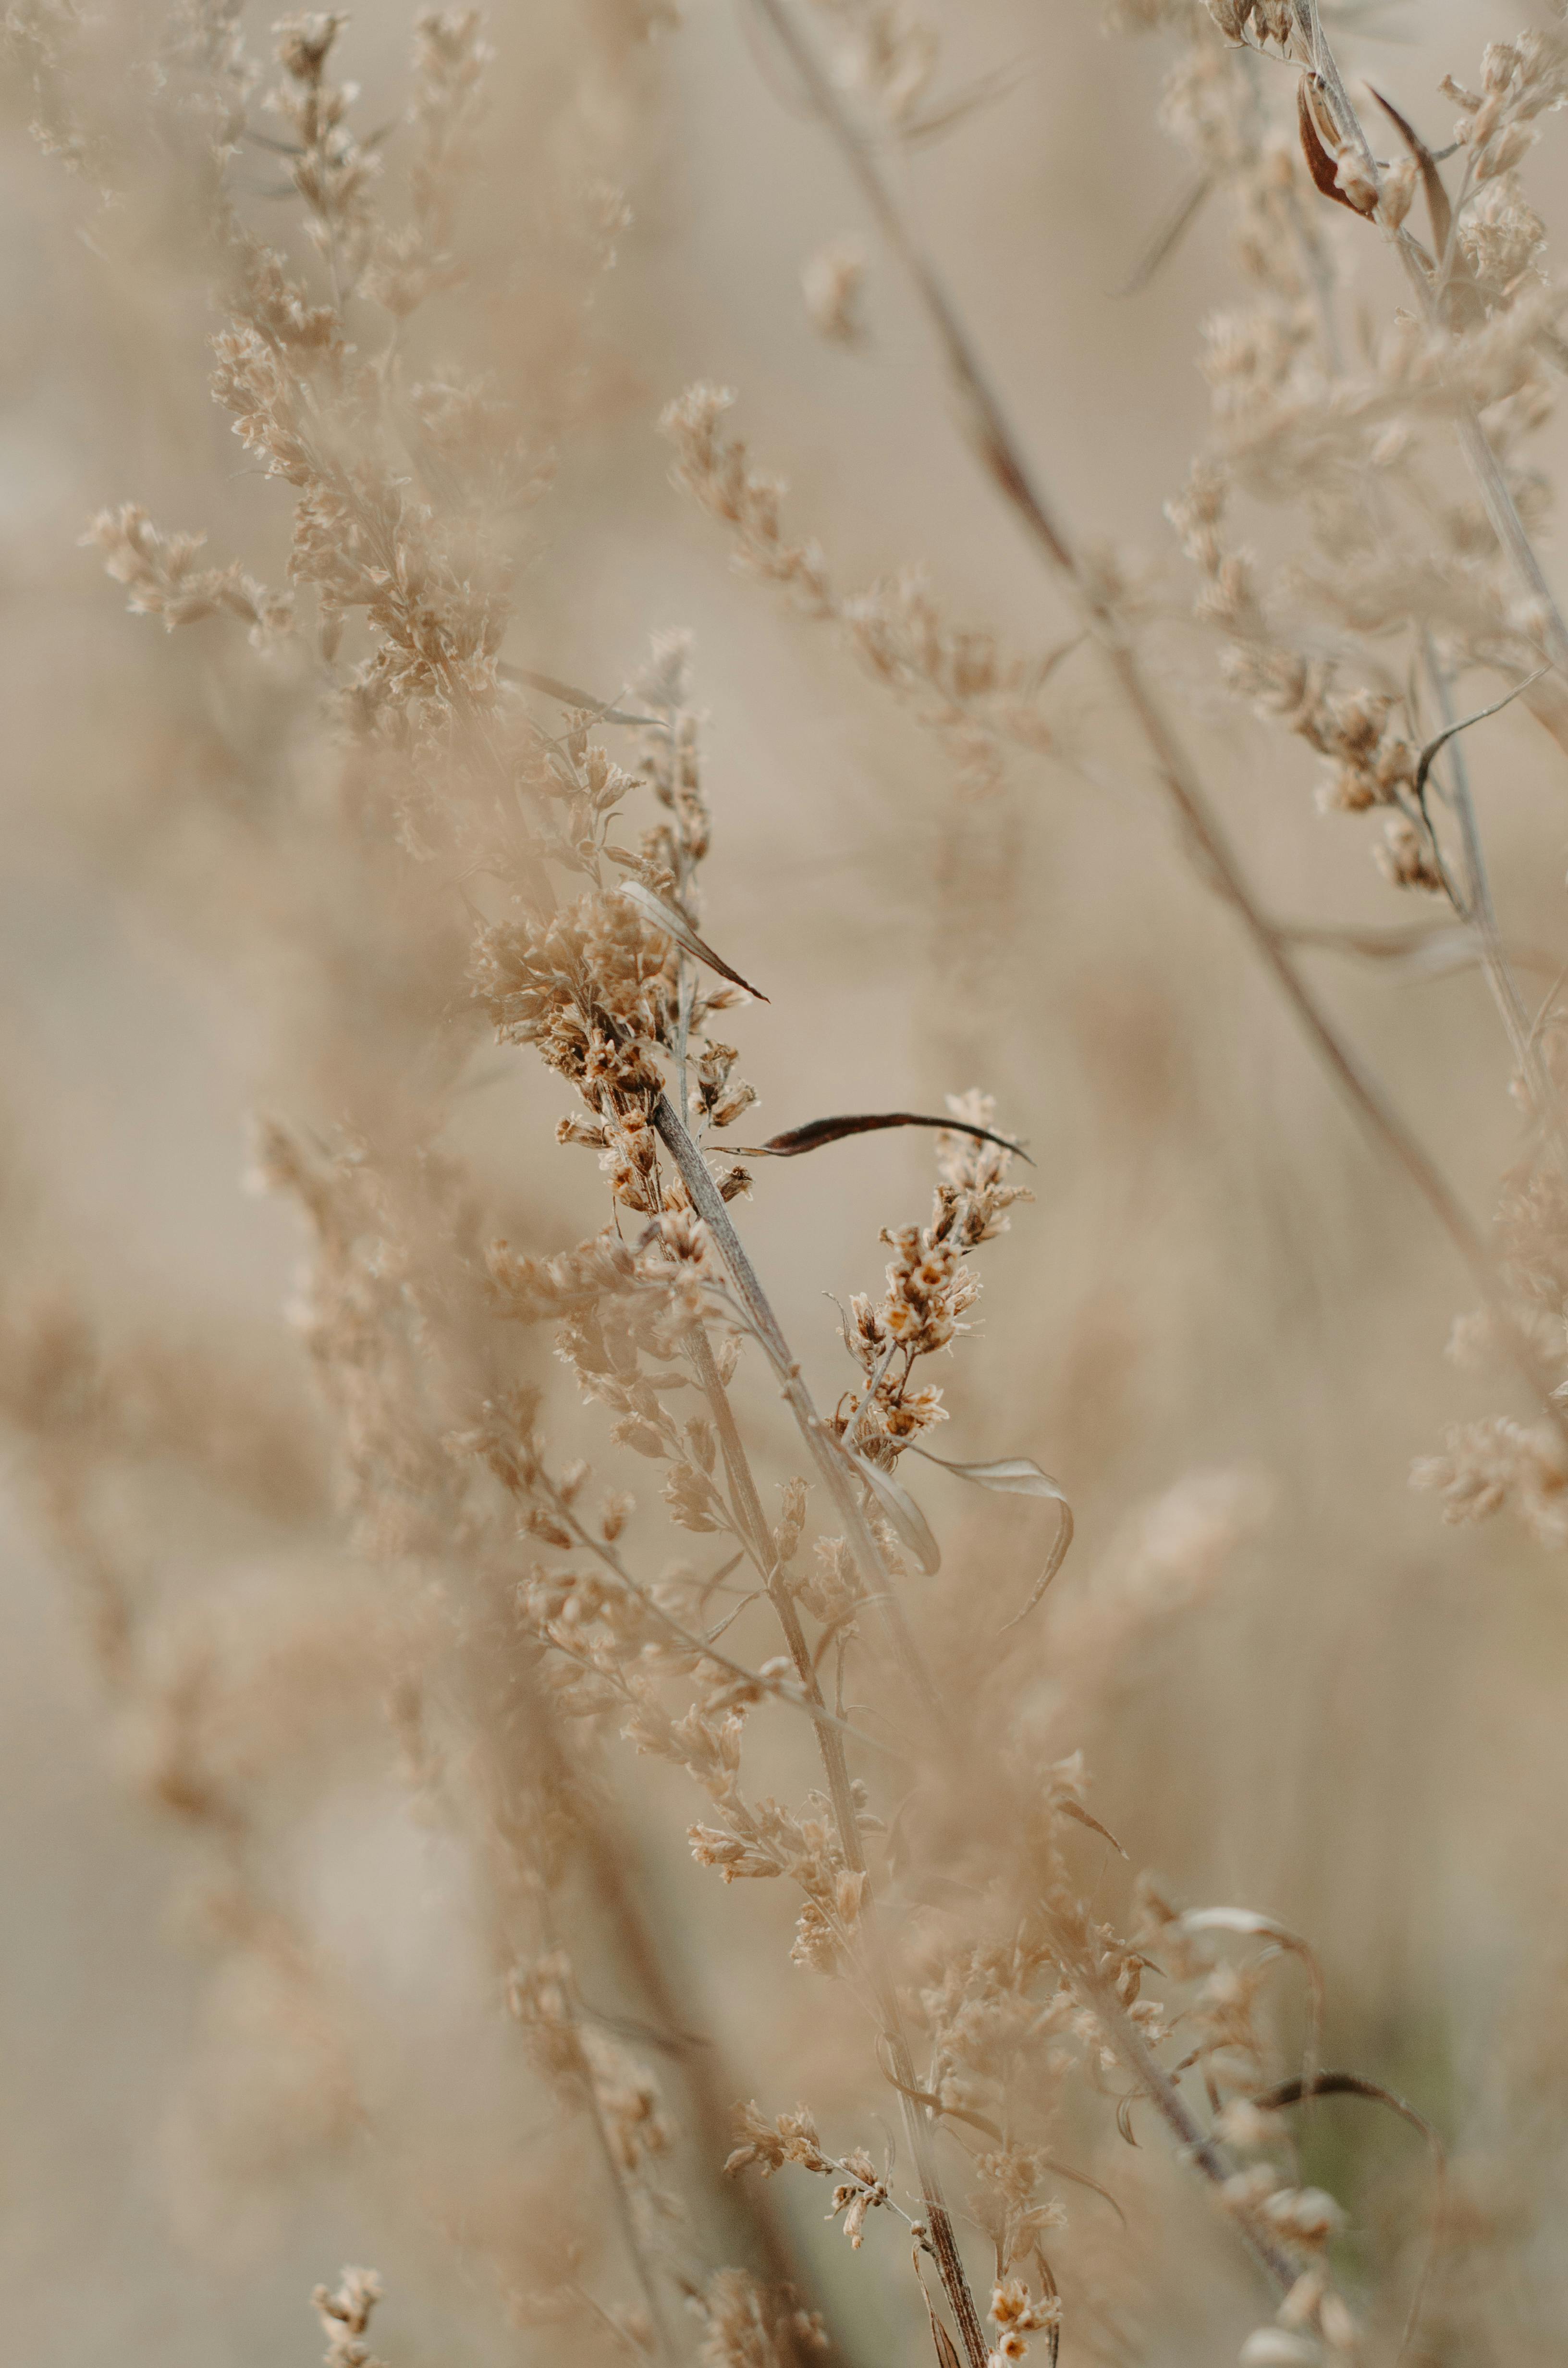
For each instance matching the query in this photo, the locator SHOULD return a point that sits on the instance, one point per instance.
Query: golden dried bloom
(833, 283)
(714, 468)
(346, 2317)
(1486, 1465)
(1405, 858)
(745, 2328)
(1307, 2215)
(792, 2139)
(163, 579)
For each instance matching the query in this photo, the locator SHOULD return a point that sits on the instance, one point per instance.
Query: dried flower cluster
(647, 1586)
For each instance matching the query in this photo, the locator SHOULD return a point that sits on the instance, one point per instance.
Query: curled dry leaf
(1322, 167)
(1350, 2084)
(991, 2130)
(1238, 1919)
(569, 696)
(820, 1131)
(1076, 1811)
(903, 1512)
(1437, 206)
(1019, 1475)
(676, 925)
(1014, 1475)
(947, 2349)
(1249, 1920)
(1420, 950)
(1434, 745)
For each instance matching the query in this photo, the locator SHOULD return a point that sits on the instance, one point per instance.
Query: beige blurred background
(1363, 1731)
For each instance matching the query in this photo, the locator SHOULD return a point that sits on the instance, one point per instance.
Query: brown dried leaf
(1167, 238)
(1077, 1810)
(1437, 207)
(947, 2349)
(584, 701)
(1350, 2084)
(1320, 163)
(676, 925)
(1441, 738)
(820, 1131)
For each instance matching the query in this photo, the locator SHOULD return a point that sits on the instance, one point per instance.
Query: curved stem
(862, 1545)
(820, 1444)
(1002, 453)
(1121, 2032)
(1501, 509)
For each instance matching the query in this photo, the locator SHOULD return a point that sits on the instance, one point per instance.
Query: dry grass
(669, 1751)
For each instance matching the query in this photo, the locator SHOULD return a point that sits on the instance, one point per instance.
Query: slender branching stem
(1482, 914)
(843, 1488)
(621, 2199)
(606, 1859)
(1121, 2032)
(1490, 482)
(1175, 770)
(750, 1679)
(1195, 2145)
(822, 1447)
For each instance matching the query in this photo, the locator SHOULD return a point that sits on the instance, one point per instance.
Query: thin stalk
(1478, 908)
(1192, 2140)
(1003, 458)
(625, 2217)
(701, 2071)
(1357, 1083)
(862, 1546)
(1480, 459)
(1121, 2030)
(1002, 455)
(1482, 914)
(602, 1852)
(501, 1682)
(820, 1444)
(699, 1645)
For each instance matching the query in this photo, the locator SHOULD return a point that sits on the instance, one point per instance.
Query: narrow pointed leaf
(947, 2349)
(1320, 163)
(903, 1512)
(1434, 745)
(934, 2104)
(1077, 1810)
(1437, 206)
(820, 1131)
(676, 925)
(984, 91)
(1350, 2084)
(1235, 1919)
(1053, 1560)
(569, 696)
(1013, 1475)
(1420, 950)
(1019, 1475)
(1167, 237)
(1082, 2178)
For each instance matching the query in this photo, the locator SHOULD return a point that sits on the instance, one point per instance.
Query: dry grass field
(914, 557)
